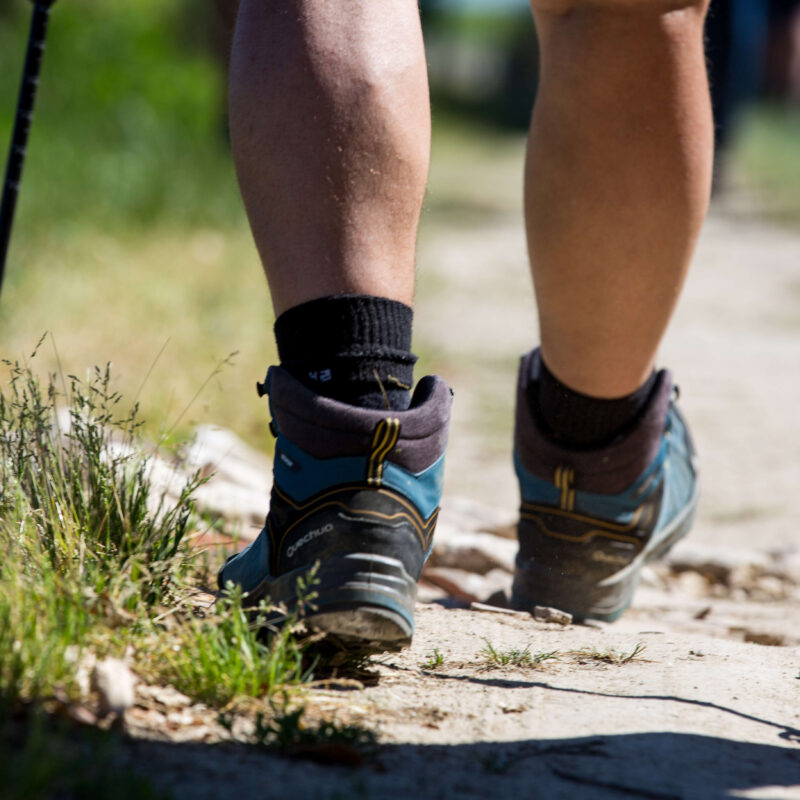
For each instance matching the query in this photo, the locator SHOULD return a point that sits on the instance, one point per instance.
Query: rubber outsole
(363, 627)
(544, 585)
(364, 601)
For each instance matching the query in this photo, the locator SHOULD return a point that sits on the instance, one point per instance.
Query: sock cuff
(576, 419)
(346, 326)
(353, 348)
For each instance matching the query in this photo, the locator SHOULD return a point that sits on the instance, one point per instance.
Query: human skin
(617, 181)
(330, 126)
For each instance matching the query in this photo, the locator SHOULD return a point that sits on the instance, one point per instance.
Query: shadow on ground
(785, 732)
(664, 766)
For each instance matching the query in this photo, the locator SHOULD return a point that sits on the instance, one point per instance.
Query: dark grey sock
(353, 348)
(574, 419)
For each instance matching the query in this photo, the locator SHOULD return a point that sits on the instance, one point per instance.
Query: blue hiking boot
(590, 519)
(357, 492)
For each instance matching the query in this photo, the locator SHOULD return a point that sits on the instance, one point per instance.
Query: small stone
(702, 613)
(650, 577)
(80, 714)
(115, 684)
(693, 584)
(786, 566)
(147, 718)
(764, 638)
(180, 718)
(553, 615)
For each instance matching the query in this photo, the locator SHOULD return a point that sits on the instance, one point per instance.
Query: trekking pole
(22, 124)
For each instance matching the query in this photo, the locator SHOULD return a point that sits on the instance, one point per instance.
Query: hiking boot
(357, 492)
(591, 518)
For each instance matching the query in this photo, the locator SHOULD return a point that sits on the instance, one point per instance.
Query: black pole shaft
(22, 124)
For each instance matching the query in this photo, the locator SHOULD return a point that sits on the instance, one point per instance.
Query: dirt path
(734, 347)
(706, 709)
(690, 717)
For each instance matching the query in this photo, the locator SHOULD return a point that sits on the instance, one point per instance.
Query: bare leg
(330, 126)
(331, 134)
(617, 181)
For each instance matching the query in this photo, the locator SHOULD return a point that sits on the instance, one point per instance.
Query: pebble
(115, 684)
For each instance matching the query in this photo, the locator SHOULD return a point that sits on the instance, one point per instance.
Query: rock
(471, 551)
(241, 505)
(180, 718)
(80, 714)
(553, 615)
(428, 592)
(239, 482)
(467, 514)
(222, 452)
(467, 586)
(769, 587)
(115, 685)
(766, 638)
(694, 584)
(651, 577)
(196, 732)
(786, 566)
(733, 567)
(147, 718)
(165, 696)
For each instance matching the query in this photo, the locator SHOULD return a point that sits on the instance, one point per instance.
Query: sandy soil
(734, 348)
(711, 707)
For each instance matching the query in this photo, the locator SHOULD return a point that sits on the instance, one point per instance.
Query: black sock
(578, 420)
(354, 348)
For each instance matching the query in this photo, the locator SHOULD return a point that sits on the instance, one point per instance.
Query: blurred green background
(130, 237)
(130, 243)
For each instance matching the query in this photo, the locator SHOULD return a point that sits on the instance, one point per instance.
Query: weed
(233, 652)
(94, 559)
(611, 656)
(76, 489)
(87, 547)
(434, 659)
(515, 657)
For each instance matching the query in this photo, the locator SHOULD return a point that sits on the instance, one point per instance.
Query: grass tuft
(434, 659)
(232, 653)
(515, 657)
(88, 546)
(97, 562)
(611, 656)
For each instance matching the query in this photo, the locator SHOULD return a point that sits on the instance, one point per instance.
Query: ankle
(574, 419)
(352, 348)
